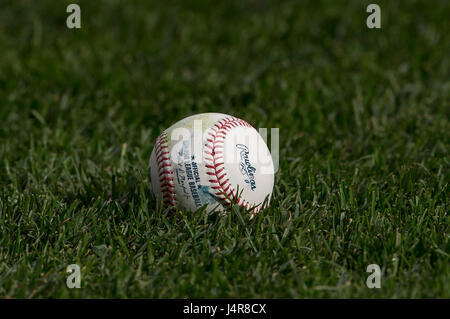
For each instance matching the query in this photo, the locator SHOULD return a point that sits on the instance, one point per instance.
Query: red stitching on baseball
(216, 144)
(164, 171)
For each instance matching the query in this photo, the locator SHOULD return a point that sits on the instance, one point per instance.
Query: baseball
(211, 159)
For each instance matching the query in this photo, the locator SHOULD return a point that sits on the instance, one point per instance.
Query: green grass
(364, 131)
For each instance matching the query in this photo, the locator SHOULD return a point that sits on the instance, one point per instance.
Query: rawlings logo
(246, 168)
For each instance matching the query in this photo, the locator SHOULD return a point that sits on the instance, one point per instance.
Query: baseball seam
(165, 174)
(215, 165)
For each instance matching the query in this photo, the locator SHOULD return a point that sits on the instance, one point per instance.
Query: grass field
(364, 131)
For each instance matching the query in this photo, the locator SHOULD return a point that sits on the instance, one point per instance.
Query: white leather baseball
(206, 159)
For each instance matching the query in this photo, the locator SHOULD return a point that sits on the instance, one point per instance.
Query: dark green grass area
(364, 140)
